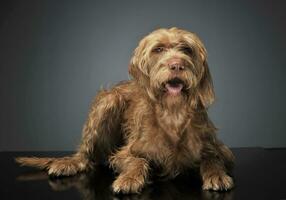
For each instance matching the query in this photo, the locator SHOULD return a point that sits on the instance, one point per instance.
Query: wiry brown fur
(137, 123)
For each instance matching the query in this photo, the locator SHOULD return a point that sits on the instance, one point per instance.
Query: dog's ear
(138, 64)
(205, 90)
(205, 87)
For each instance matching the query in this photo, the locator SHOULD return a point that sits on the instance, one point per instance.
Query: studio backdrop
(56, 55)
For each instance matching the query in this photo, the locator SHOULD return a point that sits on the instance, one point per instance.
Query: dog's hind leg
(101, 133)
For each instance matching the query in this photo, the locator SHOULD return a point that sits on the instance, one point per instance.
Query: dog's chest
(173, 124)
(173, 159)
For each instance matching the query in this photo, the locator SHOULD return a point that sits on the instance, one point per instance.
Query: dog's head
(171, 64)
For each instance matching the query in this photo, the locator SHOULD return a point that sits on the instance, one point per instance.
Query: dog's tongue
(174, 89)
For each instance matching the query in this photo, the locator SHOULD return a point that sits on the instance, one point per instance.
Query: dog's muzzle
(174, 86)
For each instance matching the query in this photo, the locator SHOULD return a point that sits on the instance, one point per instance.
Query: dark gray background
(55, 55)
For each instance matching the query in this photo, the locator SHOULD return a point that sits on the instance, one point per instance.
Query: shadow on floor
(97, 185)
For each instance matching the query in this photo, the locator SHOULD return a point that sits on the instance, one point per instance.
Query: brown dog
(158, 118)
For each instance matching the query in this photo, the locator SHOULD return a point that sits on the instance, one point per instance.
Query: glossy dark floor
(259, 174)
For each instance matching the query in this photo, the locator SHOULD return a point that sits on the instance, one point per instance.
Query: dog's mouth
(174, 86)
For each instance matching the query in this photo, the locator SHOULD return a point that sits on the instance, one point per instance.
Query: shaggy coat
(157, 119)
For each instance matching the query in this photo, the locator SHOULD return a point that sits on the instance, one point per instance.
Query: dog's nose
(176, 65)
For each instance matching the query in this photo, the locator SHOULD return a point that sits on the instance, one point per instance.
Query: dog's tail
(41, 163)
(65, 166)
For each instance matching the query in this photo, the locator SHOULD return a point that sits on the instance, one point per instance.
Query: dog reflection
(97, 185)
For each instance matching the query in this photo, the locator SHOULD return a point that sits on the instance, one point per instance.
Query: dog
(156, 120)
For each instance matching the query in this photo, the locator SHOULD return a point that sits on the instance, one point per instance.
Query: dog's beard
(174, 87)
(171, 90)
(174, 92)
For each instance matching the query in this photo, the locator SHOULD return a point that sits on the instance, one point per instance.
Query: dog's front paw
(126, 184)
(63, 168)
(218, 182)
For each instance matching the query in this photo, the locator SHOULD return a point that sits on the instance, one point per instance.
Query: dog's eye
(158, 49)
(187, 50)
